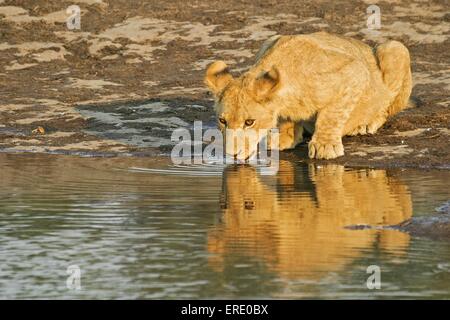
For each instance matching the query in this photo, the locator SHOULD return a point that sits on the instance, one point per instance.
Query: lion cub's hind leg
(375, 123)
(395, 65)
(359, 130)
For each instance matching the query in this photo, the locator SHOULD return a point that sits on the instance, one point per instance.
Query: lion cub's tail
(395, 65)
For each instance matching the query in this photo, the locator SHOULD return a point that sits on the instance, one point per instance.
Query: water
(143, 228)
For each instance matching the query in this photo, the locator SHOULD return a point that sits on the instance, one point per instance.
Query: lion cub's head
(242, 103)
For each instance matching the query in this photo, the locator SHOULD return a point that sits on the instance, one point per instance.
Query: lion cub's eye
(249, 122)
(222, 121)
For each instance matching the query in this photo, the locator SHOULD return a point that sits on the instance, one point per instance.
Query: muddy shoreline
(130, 135)
(89, 91)
(434, 227)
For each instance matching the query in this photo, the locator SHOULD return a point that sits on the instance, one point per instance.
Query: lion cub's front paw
(291, 134)
(325, 151)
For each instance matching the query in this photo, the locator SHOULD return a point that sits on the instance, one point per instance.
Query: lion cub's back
(281, 49)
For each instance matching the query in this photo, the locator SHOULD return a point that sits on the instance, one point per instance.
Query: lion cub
(341, 85)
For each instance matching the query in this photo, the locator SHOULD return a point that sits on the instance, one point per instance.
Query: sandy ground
(134, 70)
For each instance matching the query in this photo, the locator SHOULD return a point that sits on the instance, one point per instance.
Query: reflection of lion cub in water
(341, 84)
(295, 221)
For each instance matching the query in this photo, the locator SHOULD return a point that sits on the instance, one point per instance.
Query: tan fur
(341, 84)
(287, 228)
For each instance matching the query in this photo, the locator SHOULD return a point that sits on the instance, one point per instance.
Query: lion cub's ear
(266, 84)
(217, 77)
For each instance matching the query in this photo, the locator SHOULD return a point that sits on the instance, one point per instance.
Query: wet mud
(134, 71)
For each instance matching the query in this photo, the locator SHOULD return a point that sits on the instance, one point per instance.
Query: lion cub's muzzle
(241, 144)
